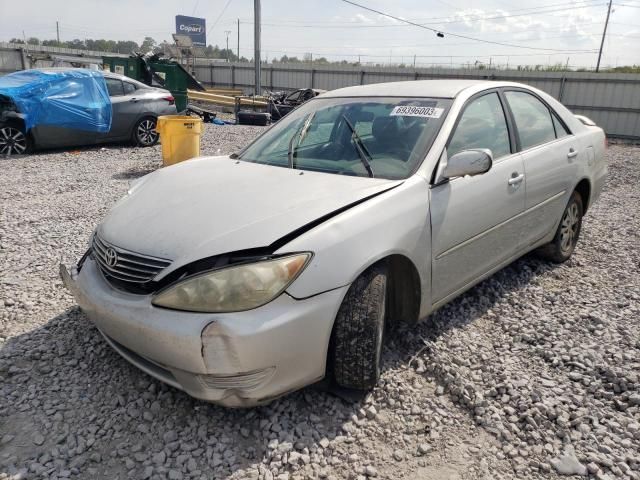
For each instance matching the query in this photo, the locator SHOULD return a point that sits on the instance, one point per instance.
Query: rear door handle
(516, 179)
(134, 100)
(572, 153)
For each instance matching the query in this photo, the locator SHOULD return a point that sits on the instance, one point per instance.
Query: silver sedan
(240, 278)
(135, 110)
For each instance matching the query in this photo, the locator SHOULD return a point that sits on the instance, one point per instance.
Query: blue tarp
(67, 98)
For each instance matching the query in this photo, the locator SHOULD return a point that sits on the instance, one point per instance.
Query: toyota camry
(240, 278)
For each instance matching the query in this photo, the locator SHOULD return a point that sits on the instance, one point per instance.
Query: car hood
(215, 205)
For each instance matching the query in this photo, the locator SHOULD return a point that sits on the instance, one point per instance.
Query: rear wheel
(13, 141)
(145, 133)
(358, 331)
(564, 242)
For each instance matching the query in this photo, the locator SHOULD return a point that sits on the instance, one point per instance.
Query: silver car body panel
(455, 232)
(270, 203)
(288, 336)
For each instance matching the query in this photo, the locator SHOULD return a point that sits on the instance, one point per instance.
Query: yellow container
(180, 138)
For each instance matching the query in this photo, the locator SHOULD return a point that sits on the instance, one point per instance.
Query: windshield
(371, 137)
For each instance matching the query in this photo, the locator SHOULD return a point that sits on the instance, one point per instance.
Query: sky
(534, 31)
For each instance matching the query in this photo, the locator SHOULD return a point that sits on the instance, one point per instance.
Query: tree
(126, 46)
(75, 43)
(16, 40)
(148, 44)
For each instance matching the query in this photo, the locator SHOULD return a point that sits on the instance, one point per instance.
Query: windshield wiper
(300, 133)
(363, 153)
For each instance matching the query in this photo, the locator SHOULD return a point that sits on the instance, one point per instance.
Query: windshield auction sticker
(412, 111)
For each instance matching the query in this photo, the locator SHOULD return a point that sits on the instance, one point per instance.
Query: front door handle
(572, 153)
(516, 179)
(134, 100)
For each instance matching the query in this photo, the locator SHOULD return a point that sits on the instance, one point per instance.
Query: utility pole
(256, 45)
(58, 32)
(604, 33)
(238, 54)
(227, 33)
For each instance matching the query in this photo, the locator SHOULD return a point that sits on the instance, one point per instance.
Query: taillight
(170, 99)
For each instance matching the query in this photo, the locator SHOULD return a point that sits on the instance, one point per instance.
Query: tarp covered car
(66, 98)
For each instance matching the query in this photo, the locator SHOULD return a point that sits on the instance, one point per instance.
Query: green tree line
(126, 46)
(213, 51)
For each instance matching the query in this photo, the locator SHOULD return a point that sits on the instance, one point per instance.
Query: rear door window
(561, 130)
(114, 87)
(533, 119)
(129, 88)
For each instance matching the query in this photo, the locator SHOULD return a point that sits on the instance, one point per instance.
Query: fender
(346, 245)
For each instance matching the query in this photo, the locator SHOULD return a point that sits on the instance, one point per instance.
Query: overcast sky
(552, 30)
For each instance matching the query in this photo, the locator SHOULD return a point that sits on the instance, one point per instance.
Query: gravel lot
(532, 374)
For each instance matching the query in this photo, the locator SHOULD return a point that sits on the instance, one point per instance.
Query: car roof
(415, 88)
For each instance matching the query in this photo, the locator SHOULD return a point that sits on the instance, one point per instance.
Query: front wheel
(145, 133)
(13, 141)
(564, 242)
(358, 331)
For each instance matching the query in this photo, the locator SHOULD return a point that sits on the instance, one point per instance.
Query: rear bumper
(599, 180)
(237, 359)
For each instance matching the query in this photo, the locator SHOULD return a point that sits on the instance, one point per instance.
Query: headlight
(233, 289)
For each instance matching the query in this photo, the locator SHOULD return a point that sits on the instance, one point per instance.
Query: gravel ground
(532, 374)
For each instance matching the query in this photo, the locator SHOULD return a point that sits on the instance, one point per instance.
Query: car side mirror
(468, 162)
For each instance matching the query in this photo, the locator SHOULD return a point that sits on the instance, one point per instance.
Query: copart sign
(194, 27)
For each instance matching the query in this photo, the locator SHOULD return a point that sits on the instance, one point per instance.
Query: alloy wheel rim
(147, 133)
(12, 141)
(569, 228)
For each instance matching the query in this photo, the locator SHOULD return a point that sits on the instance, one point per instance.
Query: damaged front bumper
(235, 359)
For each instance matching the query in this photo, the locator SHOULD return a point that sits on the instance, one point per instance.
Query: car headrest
(384, 129)
(361, 116)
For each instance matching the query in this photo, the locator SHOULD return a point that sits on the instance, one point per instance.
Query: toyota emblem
(111, 257)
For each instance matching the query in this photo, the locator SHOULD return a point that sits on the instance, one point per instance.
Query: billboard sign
(194, 28)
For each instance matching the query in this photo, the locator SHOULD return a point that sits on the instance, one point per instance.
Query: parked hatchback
(135, 108)
(240, 278)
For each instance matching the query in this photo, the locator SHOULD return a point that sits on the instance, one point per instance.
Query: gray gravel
(532, 374)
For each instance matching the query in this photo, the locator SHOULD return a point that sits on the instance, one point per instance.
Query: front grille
(124, 265)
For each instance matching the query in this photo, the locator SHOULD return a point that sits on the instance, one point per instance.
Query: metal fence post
(563, 81)
(233, 76)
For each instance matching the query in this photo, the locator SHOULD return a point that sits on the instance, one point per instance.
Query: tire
(144, 132)
(564, 242)
(359, 330)
(14, 141)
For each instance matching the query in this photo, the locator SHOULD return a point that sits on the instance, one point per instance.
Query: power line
(226, 5)
(453, 34)
(470, 17)
(497, 14)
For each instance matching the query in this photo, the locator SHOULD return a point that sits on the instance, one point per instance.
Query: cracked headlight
(235, 288)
